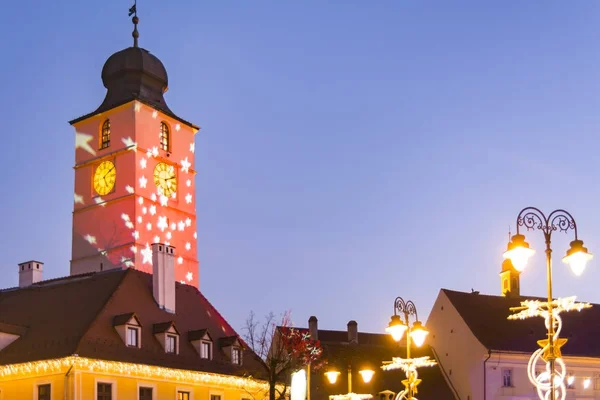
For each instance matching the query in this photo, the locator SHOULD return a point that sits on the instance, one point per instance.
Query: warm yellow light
(396, 328)
(571, 379)
(332, 376)
(60, 365)
(577, 257)
(367, 375)
(518, 252)
(418, 334)
(586, 383)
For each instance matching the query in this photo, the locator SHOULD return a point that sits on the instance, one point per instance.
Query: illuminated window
(105, 136)
(104, 391)
(171, 344)
(183, 395)
(236, 356)
(206, 350)
(597, 382)
(165, 137)
(507, 377)
(44, 392)
(132, 336)
(145, 393)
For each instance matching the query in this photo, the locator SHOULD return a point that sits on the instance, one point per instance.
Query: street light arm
(557, 220)
(405, 307)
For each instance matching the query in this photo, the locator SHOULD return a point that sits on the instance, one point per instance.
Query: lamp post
(366, 374)
(550, 382)
(415, 333)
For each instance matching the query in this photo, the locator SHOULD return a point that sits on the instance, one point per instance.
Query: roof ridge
(97, 314)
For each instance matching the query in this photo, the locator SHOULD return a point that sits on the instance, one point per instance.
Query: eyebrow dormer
(129, 328)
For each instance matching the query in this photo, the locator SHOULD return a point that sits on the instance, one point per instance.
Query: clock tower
(134, 173)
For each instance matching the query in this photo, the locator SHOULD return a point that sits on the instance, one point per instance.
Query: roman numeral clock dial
(105, 177)
(165, 179)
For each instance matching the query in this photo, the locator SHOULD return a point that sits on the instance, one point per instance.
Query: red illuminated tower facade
(134, 173)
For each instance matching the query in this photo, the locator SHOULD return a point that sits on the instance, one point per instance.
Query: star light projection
(542, 378)
(154, 218)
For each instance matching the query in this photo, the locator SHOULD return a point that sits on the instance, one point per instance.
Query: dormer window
(105, 135)
(168, 336)
(171, 344)
(129, 329)
(236, 356)
(202, 342)
(165, 137)
(232, 348)
(206, 350)
(133, 334)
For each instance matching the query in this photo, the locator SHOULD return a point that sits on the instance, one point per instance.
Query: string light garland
(129, 369)
(543, 380)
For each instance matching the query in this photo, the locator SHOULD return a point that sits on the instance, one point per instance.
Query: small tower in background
(509, 279)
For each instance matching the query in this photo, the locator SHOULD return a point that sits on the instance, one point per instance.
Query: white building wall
(459, 352)
(462, 358)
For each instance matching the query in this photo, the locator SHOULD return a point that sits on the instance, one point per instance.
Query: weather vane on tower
(135, 20)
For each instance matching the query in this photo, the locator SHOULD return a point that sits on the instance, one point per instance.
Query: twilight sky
(350, 151)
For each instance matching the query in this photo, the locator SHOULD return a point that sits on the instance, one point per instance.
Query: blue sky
(350, 152)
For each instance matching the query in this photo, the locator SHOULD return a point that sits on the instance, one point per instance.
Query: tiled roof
(75, 315)
(370, 352)
(487, 315)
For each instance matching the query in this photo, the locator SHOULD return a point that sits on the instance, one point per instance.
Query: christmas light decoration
(350, 396)
(409, 366)
(549, 349)
(13, 371)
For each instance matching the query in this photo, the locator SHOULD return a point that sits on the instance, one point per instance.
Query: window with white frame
(133, 336)
(206, 350)
(215, 397)
(597, 382)
(44, 392)
(507, 377)
(104, 391)
(171, 344)
(236, 356)
(145, 393)
(183, 395)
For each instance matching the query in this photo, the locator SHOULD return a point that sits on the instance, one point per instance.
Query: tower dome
(134, 74)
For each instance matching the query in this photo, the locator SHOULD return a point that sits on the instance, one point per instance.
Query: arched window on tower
(105, 135)
(165, 137)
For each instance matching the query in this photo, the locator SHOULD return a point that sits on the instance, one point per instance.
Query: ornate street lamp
(550, 382)
(366, 375)
(415, 333)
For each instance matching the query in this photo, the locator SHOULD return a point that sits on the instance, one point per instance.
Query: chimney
(353, 332)
(163, 276)
(313, 327)
(30, 272)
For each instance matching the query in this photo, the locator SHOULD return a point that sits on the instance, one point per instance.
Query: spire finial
(135, 20)
(509, 234)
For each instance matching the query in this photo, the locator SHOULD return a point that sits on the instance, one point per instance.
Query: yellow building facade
(75, 378)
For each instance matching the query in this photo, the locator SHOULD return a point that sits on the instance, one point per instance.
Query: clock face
(104, 178)
(165, 179)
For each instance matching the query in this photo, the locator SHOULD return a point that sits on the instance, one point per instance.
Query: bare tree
(282, 348)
